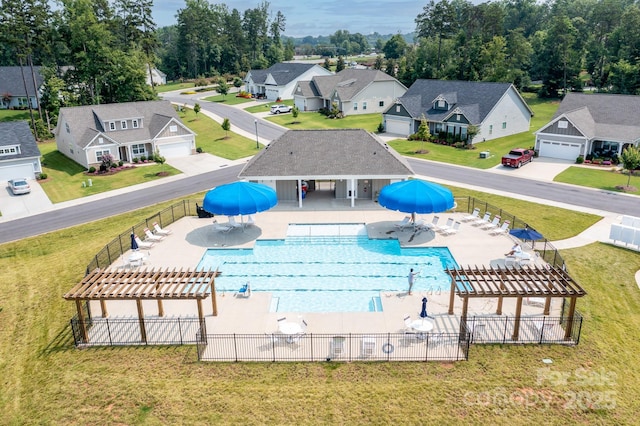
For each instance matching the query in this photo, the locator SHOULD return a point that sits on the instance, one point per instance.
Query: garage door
(17, 171)
(182, 149)
(398, 127)
(563, 150)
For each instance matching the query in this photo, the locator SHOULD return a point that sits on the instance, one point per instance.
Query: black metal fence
(129, 331)
(543, 247)
(112, 251)
(331, 347)
(537, 329)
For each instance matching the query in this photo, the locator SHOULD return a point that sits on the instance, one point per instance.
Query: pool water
(328, 268)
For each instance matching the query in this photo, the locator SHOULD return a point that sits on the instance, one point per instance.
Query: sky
(320, 17)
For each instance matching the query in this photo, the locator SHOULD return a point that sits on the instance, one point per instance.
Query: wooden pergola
(102, 285)
(527, 281)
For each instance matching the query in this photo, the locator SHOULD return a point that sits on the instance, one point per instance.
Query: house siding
(385, 91)
(570, 130)
(509, 110)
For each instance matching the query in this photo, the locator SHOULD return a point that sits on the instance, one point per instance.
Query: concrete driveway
(17, 206)
(541, 168)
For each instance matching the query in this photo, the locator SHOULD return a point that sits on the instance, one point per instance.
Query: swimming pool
(328, 268)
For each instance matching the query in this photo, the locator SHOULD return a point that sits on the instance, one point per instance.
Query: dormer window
(134, 124)
(123, 125)
(112, 125)
(441, 103)
(10, 150)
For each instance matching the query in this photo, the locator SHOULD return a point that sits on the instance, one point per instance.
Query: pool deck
(191, 237)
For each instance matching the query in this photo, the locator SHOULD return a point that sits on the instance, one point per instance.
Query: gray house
(279, 80)
(19, 152)
(597, 124)
(349, 165)
(450, 107)
(12, 87)
(354, 91)
(125, 131)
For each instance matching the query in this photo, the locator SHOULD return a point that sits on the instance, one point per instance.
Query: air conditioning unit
(485, 154)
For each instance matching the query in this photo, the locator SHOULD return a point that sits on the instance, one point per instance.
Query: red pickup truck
(517, 157)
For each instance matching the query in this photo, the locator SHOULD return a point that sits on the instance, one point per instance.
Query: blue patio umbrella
(239, 198)
(134, 243)
(526, 234)
(416, 196)
(423, 313)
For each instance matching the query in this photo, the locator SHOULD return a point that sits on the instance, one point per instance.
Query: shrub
(460, 145)
(92, 169)
(120, 163)
(135, 160)
(380, 128)
(580, 159)
(42, 176)
(199, 150)
(143, 158)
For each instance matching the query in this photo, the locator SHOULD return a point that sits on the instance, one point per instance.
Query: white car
(277, 109)
(19, 186)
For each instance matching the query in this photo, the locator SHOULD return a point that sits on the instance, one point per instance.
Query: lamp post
(257, 144)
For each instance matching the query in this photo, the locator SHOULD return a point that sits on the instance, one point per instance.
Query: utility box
(485, 154)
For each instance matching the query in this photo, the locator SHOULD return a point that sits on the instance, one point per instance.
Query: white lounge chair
(482, 221)
(221, 227)
(432, 225)
(250, 221)
(493, 224)
(233, 223)
(453, 230)
(404, 223)
(475, 215)
(444, 228)
(368, 346)
(150, 237)
(143, 244)
(502, 230)
(159, 230)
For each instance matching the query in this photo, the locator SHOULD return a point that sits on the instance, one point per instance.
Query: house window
(100, 154)
(504, 124)
(173, 129)
(381, 103)
(23, 102)
(10, 150)
(457, 117)
(562, 124)
(364, 106)
(491, 129)
(355, 106)
(138, 150)
(134, 124)
(397, 108)
(112, 125)
(123, 125)
(66, 126)
(100, 140)
(440, 104)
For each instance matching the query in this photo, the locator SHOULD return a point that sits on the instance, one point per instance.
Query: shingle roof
(11, 80)
(282, 72)
(87, 121)
(475, 99)
(13, 132)
(348, 82)
(603, 116)
(330, 153)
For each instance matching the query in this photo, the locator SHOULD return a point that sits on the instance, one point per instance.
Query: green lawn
(315, 120)
(65, 177)
(174, 85)
(47, 381)
(607, 178)
(265, 106)
(229, 99)
(212, 139)
(15, 115)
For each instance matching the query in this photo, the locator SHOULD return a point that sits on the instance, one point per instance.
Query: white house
(602, 125)
(13, 94)
(158, 77)
(450, 107)
(19, 152)
(125, 131)
(279, 80)
(354, 91)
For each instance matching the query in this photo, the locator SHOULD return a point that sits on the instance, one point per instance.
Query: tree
(295, 112)
(160, 160)
(223, 87)
(226, 126)
(437, 21)
(196, 108)
(472, 131)
(340, 64)
(327, 63)
(378, 63)
(423, 133)
(395, 47)
(630, 160)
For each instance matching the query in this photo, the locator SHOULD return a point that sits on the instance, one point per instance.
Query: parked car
(19, 186)
(517, 157)
(277, 109)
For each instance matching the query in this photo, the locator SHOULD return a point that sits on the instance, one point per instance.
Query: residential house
(344, 165)
(450, 107)
(124, 130)
(354, 91)
(13, 94)
(602, 125)
(158, 76)
(19, 152)
(279, 80)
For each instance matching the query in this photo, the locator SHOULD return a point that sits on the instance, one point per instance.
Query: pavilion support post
(160, 308)
(353, 192)
(463, 319)
(516, 323)
(83, 326)
(499, 308)
(572, 311)
(103, 308)
(143, 331)
(200, 314)
(452, 295)
(214, 300)
(300, 193)
(547, 306)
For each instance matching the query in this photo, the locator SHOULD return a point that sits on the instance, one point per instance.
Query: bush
(580, 159)
(199, 150)
(92, 169)
(42, 176)
(120, 163)
(380, 128)
(135, 160)
(143, 158)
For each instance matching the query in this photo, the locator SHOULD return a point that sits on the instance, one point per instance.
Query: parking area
(17, 206)
(541, 168)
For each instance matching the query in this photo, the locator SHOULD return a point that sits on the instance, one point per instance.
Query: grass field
(315, 120)
(607, 178)
(45, 380)
(229, 99)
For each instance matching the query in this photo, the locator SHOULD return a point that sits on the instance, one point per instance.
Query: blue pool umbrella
(134, 243)
(423, 313)
(416, 196)
(526, 234)
(239, 198)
